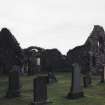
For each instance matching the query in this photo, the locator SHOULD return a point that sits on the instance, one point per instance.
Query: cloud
(63, 24)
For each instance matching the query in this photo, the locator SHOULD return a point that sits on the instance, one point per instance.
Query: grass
(94, 95)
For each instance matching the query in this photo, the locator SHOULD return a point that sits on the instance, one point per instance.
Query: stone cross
(76, 89)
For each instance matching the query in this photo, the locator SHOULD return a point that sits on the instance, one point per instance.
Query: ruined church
(96, 45)
(90, 55)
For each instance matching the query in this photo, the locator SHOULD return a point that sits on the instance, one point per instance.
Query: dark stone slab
(76, 89)
(14, 83)
(103, 75)
(87, 81)
(40, 91)
(51, 77)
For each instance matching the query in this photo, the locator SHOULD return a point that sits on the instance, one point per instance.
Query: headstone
(76, 89)
(14, 83)
(40, 91)
(103, 74)
(51, 77)
(87, 80)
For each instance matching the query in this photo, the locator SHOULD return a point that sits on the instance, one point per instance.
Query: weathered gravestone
(51, 77)
(40, 91)
(76, 89)
(14, 82)
(87, 80)
(103, 74)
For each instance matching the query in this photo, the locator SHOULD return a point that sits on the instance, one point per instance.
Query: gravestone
(14, 83)
(51, 77)
(76, 89)
(40, 91)
(103, 74)
(87, 80)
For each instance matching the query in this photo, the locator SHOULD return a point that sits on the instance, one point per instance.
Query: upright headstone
(51, 77)
(103, 74)
(14, 83)
(87, 80)
(76, 89)
(40, 91)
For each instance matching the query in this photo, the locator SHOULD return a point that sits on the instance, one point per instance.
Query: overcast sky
(61, 24)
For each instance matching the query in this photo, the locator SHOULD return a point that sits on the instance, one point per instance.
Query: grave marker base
(75, 95)
(13, 94)
(102, 81)
(41, 103)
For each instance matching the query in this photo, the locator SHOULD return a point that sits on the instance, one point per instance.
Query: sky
(61, 24)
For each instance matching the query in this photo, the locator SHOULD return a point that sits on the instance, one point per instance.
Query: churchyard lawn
(94, 95)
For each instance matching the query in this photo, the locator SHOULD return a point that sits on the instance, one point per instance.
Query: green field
(94, 95)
